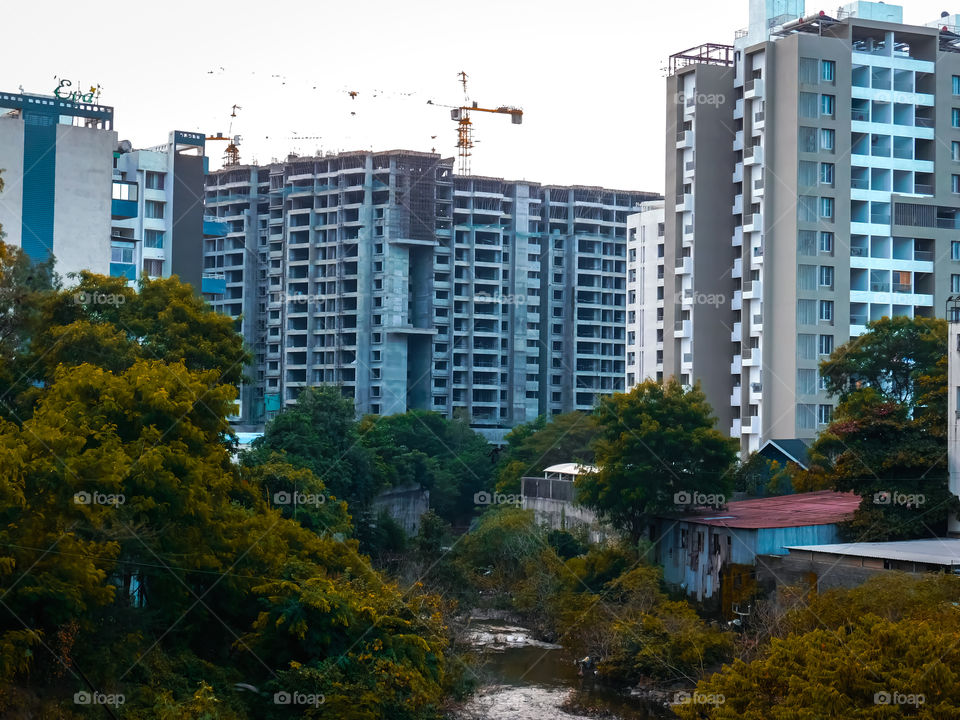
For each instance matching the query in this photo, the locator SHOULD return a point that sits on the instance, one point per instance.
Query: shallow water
(522, 678)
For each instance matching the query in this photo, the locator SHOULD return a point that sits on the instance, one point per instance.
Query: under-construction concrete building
(409, 287)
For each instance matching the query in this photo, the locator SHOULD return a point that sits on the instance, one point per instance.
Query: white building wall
(11, 161)
(644, 276)
(84, 186)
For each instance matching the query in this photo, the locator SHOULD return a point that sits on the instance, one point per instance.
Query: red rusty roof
(814, 508)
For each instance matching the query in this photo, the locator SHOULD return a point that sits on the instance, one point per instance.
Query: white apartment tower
(645, 293)
(844, 182)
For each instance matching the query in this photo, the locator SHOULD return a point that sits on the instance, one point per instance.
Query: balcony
(736, 335)
(684, 202)
(213, 227)
(880, 287)
(684, 266)
(684, 139)
(682, 329)
(902, 288)
(753, 222)
(736, 398)
(753, 290)
(753, 88)
(213, 284)
(753, 155)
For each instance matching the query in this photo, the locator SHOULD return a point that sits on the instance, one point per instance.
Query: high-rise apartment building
(56, 157)
(410, 287)
(840, 167)
(73, 192)
(646, 294)
(158, 225)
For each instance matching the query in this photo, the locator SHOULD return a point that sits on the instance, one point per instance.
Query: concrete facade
(844, 194)
(409, 287)
(164, 236)
(645, 290)
(56, 157)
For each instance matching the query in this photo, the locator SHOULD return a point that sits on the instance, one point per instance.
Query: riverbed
(522, 678)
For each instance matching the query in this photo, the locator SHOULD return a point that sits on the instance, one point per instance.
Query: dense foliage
(137, 559)
(887, 649)
(888, 436)
(656, 443)
(536, 445)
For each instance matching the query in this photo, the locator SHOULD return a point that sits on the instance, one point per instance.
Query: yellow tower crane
(231, 156)
(461, 114)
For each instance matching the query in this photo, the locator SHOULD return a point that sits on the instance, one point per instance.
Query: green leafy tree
(845, 654)
(536, 445)
(655, 441)
(320, 433)
(445, 457)
(888, 436)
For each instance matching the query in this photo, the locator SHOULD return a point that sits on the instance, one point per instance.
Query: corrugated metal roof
(824, 507)
(937, 551)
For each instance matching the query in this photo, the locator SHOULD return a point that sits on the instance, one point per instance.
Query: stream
(522, 678)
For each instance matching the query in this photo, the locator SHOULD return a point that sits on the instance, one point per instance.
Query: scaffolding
(706, 54)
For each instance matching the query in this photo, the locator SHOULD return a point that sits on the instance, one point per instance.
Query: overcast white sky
(588, 75)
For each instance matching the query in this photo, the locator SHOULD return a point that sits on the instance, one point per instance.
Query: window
(155, 180)
(153, 268)
(826, 174)
(806, 346)
(154, 209)
(807, 277)
(955, 183)
(955, 283)
(825, 344)
(808, 71)
(828, 140)
(806, 382)
(826, 276)
(826, 311)
(826, 243)
(153, 238)
(828, 105)
(808, 106)
(807, 312)
(824, 414)
(807, 173)
(121, 254)
(955, 151)
(828, 71)
(807, 208)
(806, 242)
(826, 208)
(955, 117)
(955, 250)
(807, 139)
(806, 417)
(956, 84)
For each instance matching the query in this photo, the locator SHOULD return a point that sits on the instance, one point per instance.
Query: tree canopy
(536, 445)
(887, 440)
(655, 442)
